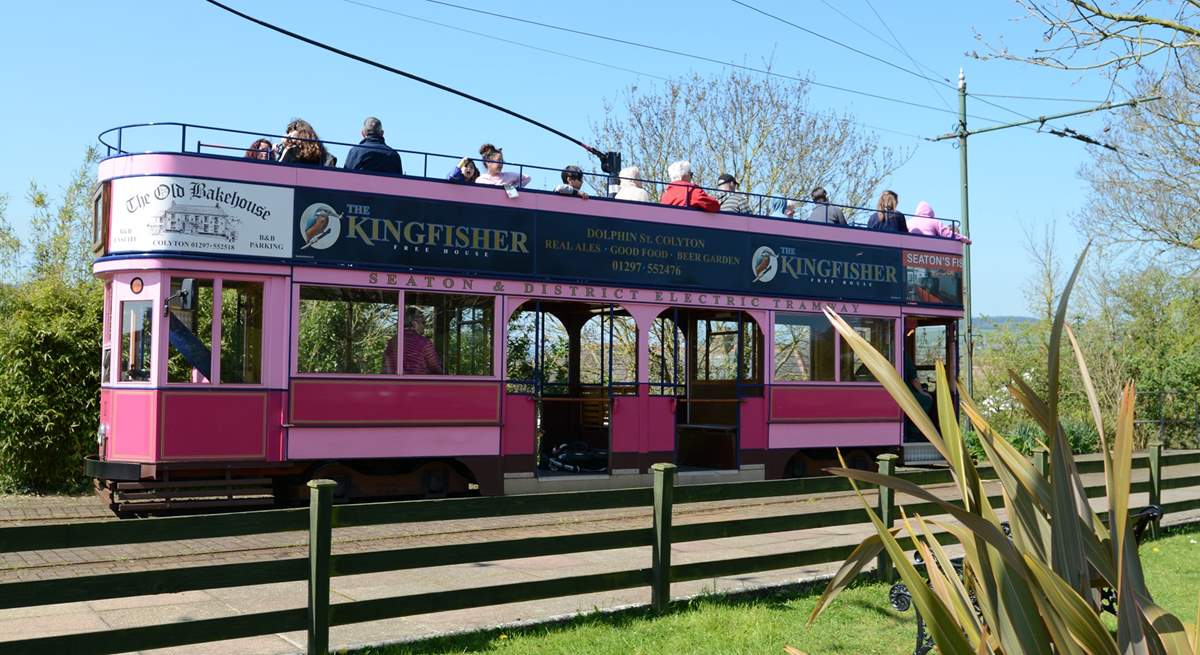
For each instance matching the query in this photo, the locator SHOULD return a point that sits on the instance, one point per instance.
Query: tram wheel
(800, 466)
(860, 460)
(341, 474)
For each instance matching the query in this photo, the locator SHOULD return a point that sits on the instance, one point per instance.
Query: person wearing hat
(572, 177)
(729, 197)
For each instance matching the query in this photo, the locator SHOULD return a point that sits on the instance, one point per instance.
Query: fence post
(660, 554)
(1041, 461)
(1155, 452)
(887, 513)
(320, 529)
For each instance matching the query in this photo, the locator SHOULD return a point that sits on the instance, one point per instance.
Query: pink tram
(266, 324)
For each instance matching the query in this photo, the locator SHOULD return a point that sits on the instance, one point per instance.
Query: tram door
(717, 363)
(928, 340)
(573, 358)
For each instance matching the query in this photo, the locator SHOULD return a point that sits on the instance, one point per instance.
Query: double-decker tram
(267, 324)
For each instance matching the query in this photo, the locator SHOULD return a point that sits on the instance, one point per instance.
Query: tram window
(137, 343)
(105, 365)
(448, 334)
(803, 348)
(241, 332)
(668, 364)
(879, 332)
(608, 351)
(538, 351)
(345, 330)
(189, 353)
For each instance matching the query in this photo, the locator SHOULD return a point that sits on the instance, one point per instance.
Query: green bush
(49, 383)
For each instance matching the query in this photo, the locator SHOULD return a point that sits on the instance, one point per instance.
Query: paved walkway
(166, 608)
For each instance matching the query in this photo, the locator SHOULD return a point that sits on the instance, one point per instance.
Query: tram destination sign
(354, 228)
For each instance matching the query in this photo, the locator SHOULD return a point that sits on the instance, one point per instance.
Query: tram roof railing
(856, 216)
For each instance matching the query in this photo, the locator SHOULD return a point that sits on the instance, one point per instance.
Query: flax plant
(1036, 591)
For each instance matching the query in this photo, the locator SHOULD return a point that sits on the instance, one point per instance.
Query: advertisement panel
(186, 215)
(933, 278)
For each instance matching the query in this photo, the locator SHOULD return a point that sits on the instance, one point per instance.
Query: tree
(1118, 36)
(10, 245)
(760, 129)
(62, 246)
(1146, 188)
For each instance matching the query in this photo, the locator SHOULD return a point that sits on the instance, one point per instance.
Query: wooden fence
(321, 517)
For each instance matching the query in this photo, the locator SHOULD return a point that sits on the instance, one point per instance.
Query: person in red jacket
(683, 192)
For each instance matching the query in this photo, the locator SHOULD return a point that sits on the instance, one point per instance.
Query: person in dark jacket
(373, 153)
(886, 218)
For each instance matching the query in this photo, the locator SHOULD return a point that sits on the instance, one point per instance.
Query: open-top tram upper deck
(265, 321)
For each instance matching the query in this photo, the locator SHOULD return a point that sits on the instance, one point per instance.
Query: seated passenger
(822, 211)
(260, 149)
(493, 160)
(420, 355)
(924, 222)
(631, 185)
(373, 153)
(886, 218)
(728, 196)
(682, 192)
(303, 146)
(781, 208)
(572, 177)
(465, 172)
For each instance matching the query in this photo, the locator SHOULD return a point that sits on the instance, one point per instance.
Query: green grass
(860, 622)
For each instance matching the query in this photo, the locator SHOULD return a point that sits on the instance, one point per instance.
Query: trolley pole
(961, 135)
(966, 229)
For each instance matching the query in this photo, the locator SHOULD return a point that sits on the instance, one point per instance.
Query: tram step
(183, 492)
(147, 507)
(160, 484)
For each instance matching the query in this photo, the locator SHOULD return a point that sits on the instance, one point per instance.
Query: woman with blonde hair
(303, 146)
(886, 218)
(631, 185)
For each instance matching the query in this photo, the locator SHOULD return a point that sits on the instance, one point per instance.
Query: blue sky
(73, 69)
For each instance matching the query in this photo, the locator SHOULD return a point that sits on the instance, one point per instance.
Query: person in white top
(631, 185)
(493, 160)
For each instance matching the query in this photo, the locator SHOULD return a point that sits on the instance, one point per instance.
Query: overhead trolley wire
(900, 44)
(504, 40)
(437, 85)
(711, 60)
(590, 61)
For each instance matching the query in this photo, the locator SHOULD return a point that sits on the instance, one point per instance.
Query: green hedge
(49, 383)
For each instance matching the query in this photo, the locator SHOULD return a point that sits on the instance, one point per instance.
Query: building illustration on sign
(196, 220)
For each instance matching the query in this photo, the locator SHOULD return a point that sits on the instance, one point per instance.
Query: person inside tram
(303, 146)
(782, 208)
(683, 192)
(465, 172)
(822, 211)
(631, 185)
(730, 198)
(572, 183)
(420, 355)
(886, 218)
(493, 161)
(924, 222)
(373, 153)
(260, 149)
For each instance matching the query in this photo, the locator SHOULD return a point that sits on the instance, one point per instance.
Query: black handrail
(762, 200)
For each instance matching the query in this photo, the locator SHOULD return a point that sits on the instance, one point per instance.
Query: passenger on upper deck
(631, 185)
(260, 149)
(465, 172)
(303, 146)
(493, 160)
(682, 192)
(886, 218)
(925, 223)
(781, 208)
(373, 153)
(572, 177)
(728, 196)
(823, 212)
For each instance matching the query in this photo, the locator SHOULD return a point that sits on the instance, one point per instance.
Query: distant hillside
(988, 323)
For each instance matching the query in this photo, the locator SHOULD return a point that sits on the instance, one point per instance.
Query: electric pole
(961, 135)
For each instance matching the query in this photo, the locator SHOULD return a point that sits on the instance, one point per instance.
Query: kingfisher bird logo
(320, 226)
(764, 264)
